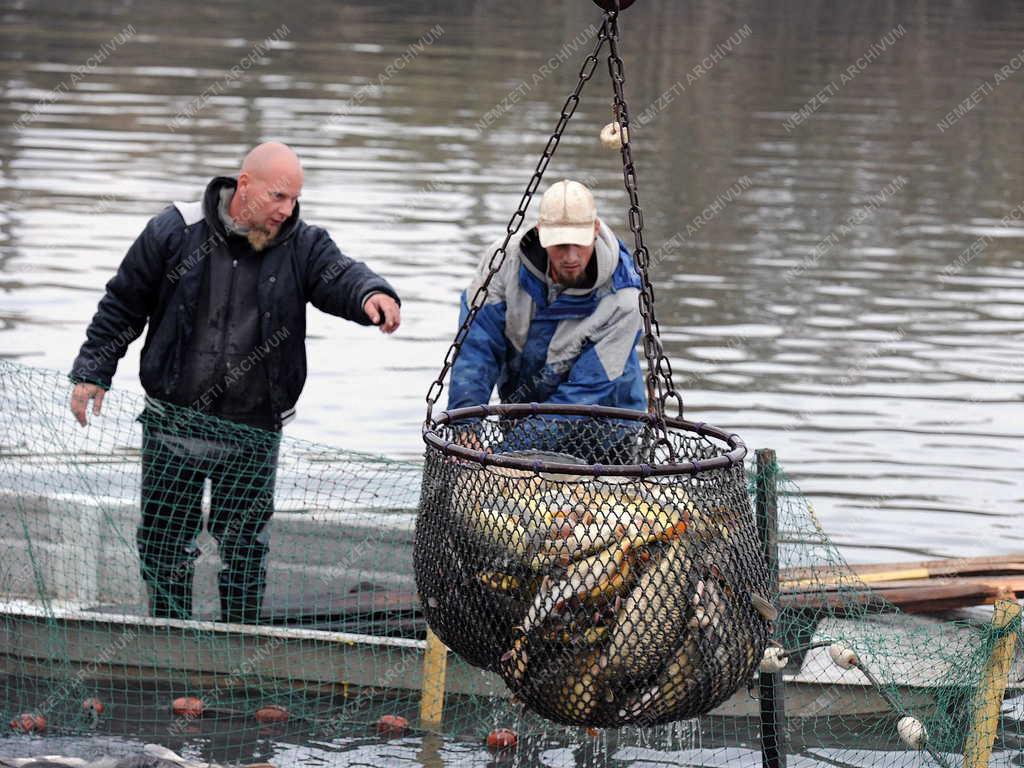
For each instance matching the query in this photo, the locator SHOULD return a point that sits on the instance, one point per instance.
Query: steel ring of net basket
(605, 591)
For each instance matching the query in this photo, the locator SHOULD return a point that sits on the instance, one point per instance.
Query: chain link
(498, 257)
(659, 370)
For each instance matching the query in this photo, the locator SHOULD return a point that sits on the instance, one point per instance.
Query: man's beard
(582, 280)
(259, 237)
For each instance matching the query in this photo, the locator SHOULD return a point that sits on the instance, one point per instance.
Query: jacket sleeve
(339, 285)
(476, 369)
(130, 298)
(478, 366)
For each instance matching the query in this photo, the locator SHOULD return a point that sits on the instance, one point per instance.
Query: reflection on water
(810, 202)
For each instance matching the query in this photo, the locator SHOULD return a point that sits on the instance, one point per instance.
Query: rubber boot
(171, 598)
(240, 599)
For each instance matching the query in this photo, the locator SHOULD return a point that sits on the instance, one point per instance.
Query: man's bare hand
(80, 397)
(383, 311)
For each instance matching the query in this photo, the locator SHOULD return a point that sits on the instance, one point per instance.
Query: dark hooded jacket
(230, 344)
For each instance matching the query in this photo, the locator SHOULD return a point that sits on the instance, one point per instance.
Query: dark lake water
(832, 193)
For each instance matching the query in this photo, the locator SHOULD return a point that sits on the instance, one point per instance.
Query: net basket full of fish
(601, 599)
(605, 562)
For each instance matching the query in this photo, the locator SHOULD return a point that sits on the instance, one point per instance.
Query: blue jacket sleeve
(476, 369)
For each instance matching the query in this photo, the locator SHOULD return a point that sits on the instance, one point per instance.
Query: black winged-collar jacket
(227, 325)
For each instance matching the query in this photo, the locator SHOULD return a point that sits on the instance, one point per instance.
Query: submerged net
(326, 634)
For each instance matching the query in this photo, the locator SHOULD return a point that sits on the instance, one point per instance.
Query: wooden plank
(435, 670)
(989, 696)
(923, 599)
(1006, 583)
(964, 566)
(911, 596)
(959, 566)
(815, 582)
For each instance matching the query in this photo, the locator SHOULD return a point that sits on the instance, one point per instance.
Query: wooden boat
(151, 650)
(365, 621)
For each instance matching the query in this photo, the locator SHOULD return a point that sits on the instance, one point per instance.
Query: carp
(651, 618)
(670, 688)
(580, 689)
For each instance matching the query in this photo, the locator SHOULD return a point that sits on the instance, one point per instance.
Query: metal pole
(773, 714)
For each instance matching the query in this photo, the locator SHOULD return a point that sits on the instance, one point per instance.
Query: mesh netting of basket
(604, 594)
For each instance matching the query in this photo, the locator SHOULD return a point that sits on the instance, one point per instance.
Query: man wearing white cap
(562, 317)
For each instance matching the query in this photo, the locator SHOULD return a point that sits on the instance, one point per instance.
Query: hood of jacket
(600, 269)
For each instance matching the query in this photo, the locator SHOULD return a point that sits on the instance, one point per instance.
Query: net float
(188, 706)
(611, 136)
(92, 706)
(912, 732)
(774, 659)
(502, 738)
(29, 722)
(842, 657)
(272, 713)
(392, 725)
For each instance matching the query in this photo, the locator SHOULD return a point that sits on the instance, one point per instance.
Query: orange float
(502, 738)
(29, 722)
(271, 713)
(392, 725)
(188, 706)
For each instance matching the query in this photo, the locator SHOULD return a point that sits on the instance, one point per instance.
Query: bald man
(223, 285)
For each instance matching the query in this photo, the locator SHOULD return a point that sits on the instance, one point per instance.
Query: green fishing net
(266, 585)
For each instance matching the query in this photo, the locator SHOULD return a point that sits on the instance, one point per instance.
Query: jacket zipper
(227, 317)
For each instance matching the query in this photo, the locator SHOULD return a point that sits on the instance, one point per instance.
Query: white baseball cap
(567, 214)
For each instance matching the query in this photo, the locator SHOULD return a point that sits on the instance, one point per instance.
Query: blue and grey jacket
(541, 343)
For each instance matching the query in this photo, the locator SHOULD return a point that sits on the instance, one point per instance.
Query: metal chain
(498, 257)
(659, 370)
